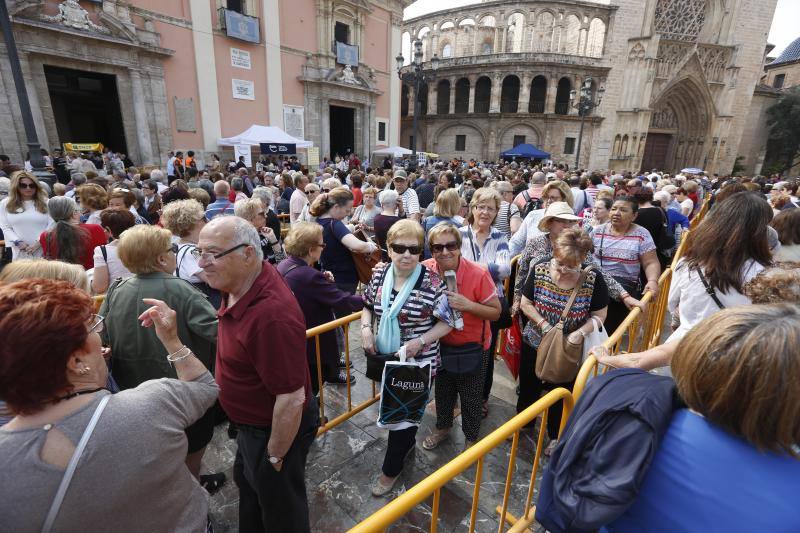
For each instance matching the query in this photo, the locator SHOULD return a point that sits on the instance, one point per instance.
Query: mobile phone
(450, 280)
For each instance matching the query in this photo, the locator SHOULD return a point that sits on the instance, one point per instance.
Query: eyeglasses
(400, 249)
(563, 268)
(173, 248)
(22, 185)
(96, 323)
(485, 208)
(200, 255)
(321, 244)
(261, 214)
(449, 246)
(326, 190)
(554, 199)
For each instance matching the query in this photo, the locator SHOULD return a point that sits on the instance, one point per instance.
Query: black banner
(278, 148)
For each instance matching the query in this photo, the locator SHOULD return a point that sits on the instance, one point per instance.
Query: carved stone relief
(681, 20)
(72, 15)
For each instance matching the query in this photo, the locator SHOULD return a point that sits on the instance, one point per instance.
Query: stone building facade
(148, 76)
(679, 77)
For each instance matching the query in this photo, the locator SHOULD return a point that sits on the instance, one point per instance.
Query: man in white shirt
(407, 195)
(298, 199)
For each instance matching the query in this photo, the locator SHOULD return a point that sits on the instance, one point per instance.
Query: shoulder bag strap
(475, 252)
(574, 294)
(709, 289)
(73, 464)
(104, 252)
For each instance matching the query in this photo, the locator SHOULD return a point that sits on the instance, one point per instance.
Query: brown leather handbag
(557, 359)
(365, 263)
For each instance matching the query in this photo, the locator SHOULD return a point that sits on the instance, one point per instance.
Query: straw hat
(560, 210)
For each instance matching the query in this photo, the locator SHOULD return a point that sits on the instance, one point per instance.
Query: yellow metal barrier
(314, 333)
(432, 485)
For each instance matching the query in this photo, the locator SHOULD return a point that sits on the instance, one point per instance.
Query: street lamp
(34, 148)
(584, 105)
(418, 77)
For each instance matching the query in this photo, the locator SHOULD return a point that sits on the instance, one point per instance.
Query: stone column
(452, 105)
(550, 101)
(140, 116)
(494, 103)
(524, 94)
(497, 35)
(433, 98)
(325, 128)
(471, 106)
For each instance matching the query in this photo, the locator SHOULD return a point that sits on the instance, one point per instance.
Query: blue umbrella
(692, 171)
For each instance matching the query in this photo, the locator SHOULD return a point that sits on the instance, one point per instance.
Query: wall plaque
(184, 114)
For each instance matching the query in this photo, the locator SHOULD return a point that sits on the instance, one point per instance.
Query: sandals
(434, 439)
(379, 489)
(212, 482)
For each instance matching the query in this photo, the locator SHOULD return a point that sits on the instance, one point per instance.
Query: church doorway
(655, 151)
(343, 130)
(86, 107)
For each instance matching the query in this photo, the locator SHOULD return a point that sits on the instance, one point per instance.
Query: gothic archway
(679, 128)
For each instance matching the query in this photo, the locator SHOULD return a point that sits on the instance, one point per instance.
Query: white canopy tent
(392, 151)
(255, 135)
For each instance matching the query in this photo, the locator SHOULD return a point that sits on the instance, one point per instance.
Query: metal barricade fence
(431, 486)
(314, 333)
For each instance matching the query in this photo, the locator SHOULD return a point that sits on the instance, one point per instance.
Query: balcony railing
(562, 108)
(536, 107)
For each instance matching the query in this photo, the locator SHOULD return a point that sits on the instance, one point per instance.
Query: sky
(784, 26)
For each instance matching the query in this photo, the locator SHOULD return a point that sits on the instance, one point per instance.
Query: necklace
(78, 393)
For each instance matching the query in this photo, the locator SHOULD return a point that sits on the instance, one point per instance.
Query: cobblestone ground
(343, 462)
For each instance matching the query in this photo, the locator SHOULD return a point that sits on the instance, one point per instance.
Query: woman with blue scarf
(405, 306)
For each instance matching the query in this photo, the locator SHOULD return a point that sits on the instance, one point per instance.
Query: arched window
(570, 35)
(483, 95)
(617, 145)
(443, 97)
(595, 39)
(538, 95)
(562, 96)
(404, 101)
(462, 96)
(447, 50)
(680, 20)
(623, 151)
(509, 95)
(543, 32)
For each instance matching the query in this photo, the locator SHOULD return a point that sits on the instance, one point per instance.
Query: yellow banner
(83, 147)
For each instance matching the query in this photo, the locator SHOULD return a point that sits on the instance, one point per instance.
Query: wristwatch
(274, 460)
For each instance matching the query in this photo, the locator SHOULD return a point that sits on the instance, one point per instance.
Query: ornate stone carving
(664, 118)
(715, 60)
(681, 20)
(72, 15)
(347, 76)
(636, 53)
(670, 55)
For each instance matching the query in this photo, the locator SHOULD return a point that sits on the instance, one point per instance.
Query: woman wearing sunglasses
(476, 299)
(404, 305)
(23, 216)
(137, 354)
(547, 291)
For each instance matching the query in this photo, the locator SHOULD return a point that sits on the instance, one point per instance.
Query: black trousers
(401, 442)
(488, 380)
(531, 389)
(272, 501)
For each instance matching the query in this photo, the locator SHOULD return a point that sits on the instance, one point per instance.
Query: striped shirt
(418, 315)
(504, 216)
(494, 253)
(410, 201)
(620, 255)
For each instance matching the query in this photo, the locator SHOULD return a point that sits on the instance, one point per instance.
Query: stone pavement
(343, 462)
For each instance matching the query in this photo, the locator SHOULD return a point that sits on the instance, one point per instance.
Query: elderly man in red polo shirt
(263, 377)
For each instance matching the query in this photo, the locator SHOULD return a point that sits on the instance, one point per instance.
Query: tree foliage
(783, 119)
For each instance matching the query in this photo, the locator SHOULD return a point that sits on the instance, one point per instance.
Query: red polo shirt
(475, 283)
(261, 350)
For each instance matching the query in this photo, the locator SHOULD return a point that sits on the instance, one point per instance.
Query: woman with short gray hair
(69, 240)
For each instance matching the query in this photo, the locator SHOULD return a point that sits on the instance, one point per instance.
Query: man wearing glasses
(263, 376)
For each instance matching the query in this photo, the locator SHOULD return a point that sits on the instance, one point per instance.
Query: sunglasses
(400, 249)
(27, 186)
(439, 248)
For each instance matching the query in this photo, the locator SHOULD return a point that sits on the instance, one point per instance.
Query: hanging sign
(278, 148)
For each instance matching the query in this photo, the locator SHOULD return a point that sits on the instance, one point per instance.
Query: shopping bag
(511, 346)
(596, 338)
(405, 391)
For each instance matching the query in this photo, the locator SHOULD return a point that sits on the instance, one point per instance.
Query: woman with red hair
(71, 445)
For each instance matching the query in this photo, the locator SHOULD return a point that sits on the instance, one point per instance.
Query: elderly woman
(124, 199)
(184, 219)
(737, 374)
(70, 241)
(265, 195)
(476, 298)
(23, 216)
(312, 191)
(555, 191)
(137, 354)
(237, 190)
(318, 297)
(107, 265)
(391, 211)
(549, 287)
(625, 250)
(253, 211)
(404, 305)
(486, 245)
(53, 380)
(364, 215)
(508, 218)
(330, 208)
(93, 199)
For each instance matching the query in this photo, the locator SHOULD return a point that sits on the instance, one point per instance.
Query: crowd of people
(207, 295)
